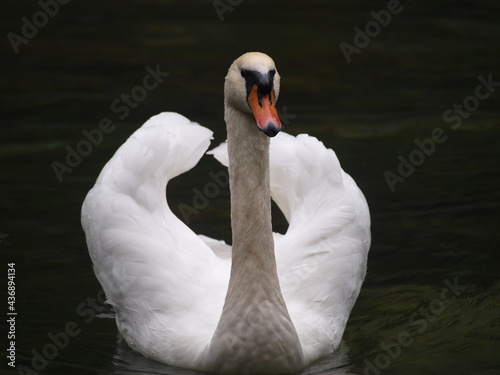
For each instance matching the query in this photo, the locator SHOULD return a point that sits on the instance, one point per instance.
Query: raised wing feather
(322, 257)
(165, 283)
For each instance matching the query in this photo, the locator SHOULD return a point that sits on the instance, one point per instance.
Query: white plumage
(167, 285)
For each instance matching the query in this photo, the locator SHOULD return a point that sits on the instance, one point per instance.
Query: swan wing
(321, 259)
(164, 282)
(219, 247)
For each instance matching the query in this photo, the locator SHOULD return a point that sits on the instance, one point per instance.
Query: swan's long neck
(255, 333)
(253, 244)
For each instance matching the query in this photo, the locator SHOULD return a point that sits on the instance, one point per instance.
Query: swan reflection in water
(129, 362)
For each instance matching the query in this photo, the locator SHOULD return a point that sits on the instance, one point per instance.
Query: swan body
(279, 301)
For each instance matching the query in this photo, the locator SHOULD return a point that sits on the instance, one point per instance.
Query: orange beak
(264, 110)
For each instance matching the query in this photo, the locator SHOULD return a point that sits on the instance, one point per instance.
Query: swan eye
(244, 73)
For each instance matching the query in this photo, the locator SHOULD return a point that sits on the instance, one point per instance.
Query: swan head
(252, 86)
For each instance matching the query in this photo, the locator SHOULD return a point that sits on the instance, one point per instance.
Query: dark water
(430, 303)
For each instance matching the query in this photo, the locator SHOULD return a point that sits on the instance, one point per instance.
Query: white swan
(282, 301)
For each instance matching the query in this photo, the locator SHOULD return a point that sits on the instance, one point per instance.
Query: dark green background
(440, 224)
